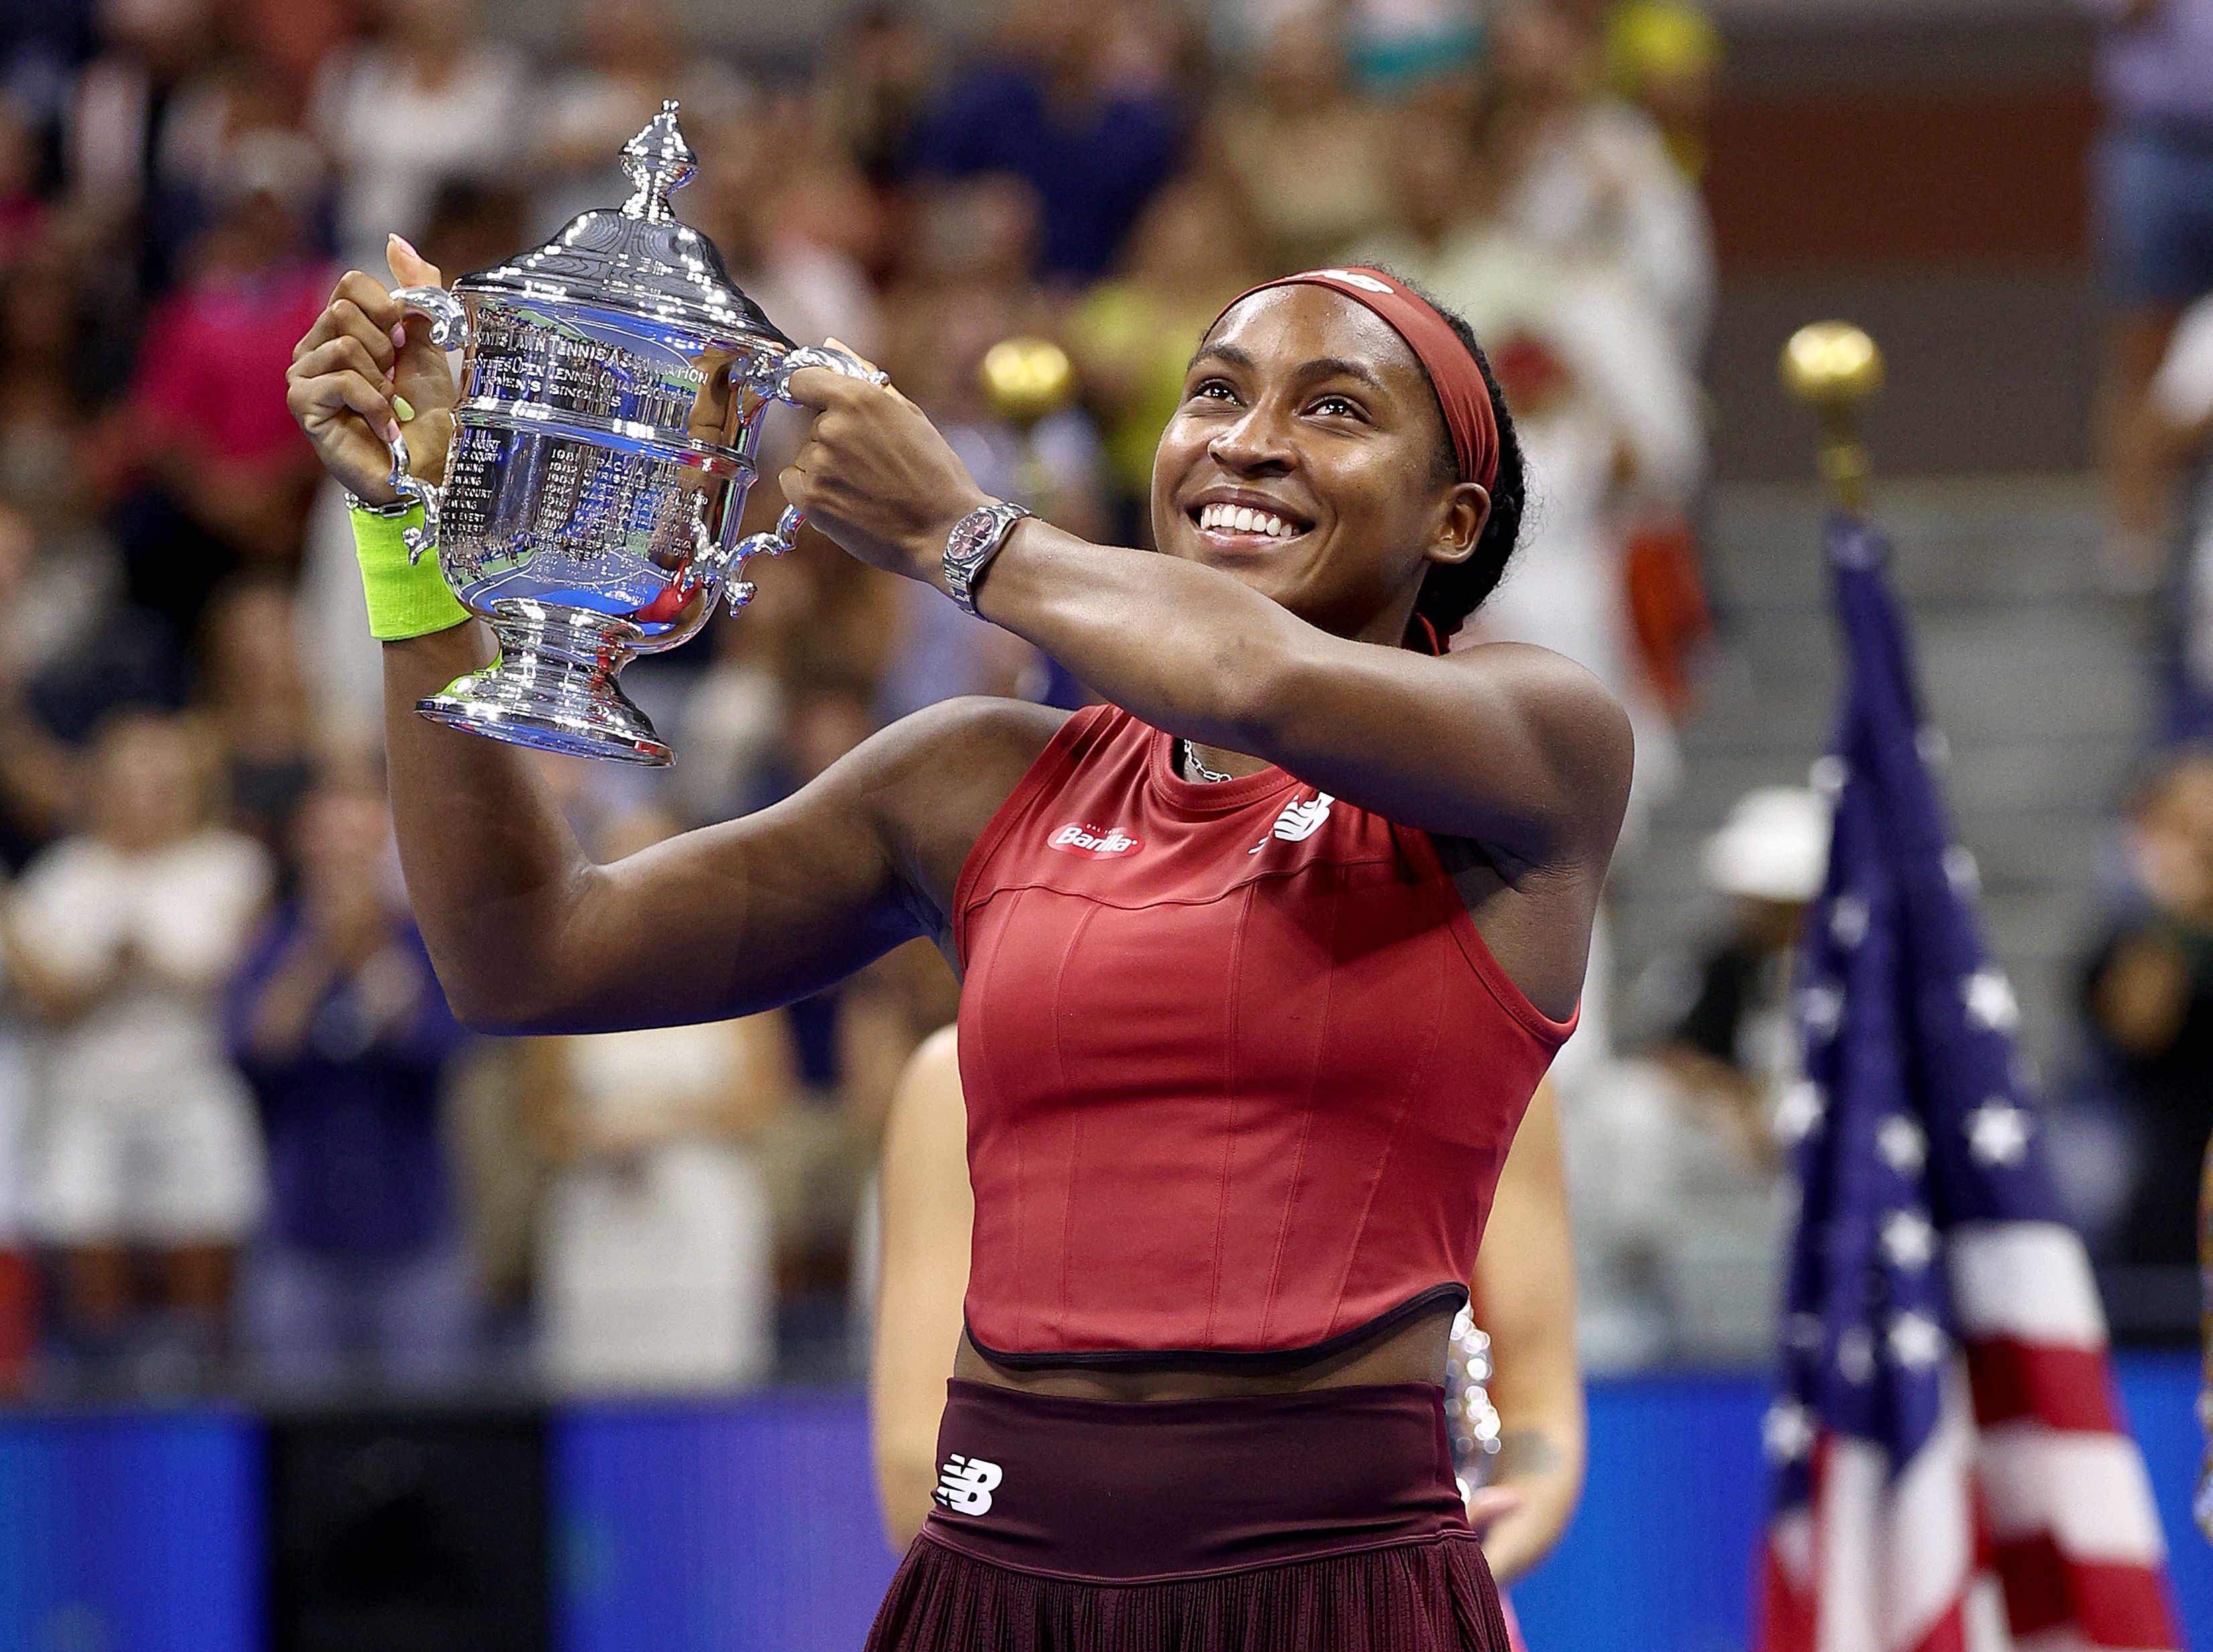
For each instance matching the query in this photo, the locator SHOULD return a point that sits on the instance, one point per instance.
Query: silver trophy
(612, 385)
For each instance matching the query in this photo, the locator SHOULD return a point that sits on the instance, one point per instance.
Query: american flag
(1952, 1473)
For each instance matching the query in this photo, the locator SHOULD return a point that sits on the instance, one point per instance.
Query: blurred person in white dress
(656, 1239)
(429, 100)
(630, 54)
(1595, 181)
(122, 939)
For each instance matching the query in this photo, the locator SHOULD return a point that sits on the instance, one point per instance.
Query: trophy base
(553, 687)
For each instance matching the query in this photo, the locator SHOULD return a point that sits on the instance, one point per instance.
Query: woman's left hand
(875, 475)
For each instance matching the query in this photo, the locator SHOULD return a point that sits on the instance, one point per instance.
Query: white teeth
(1243, 519)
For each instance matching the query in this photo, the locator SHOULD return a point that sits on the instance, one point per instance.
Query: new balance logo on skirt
(965, 1485)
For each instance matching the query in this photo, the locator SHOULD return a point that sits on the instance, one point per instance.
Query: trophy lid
(640, 260)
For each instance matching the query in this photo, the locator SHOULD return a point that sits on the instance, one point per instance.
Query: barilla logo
(1098, 842)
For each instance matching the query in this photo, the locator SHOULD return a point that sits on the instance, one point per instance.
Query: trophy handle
(448, 325)
(740, 591)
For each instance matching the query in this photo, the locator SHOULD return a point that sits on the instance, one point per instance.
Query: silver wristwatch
(975, 539)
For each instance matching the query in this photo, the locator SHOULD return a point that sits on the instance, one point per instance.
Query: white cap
(1774, 845)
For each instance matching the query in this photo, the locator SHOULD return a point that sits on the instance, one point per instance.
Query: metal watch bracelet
(976, 539)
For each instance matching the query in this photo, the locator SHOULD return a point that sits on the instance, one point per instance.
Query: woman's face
(147, 787)
(1306, 406)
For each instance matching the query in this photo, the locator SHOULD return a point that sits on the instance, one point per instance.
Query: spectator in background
(1307, 153)
(2154, 201)
(2181, 405)
(2148, 998)
(1193, 251)
(253, 694)
(429, 102)
(225, 478)
(339, 1027)
(23, 214)
(873, 84)
(631, 56)
(122, 938)
(1593, 180)
(1079, 101)
(144, 132)
(656, 1239)
(1665, 57)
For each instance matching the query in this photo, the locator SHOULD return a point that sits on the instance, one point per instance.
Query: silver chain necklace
(1195, 770)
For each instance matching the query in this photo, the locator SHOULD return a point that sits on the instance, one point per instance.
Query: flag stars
(1827, 776)
(1908, 1240)
(1848, 921)
(1786, 1433)
(1800, 1113)
(1917, 1342)
(1855, 1355)
(1903, 1145)
(1821, 1008)
(1989, 1000)
(1997, 1132)
(1933, 748)
(1962, 873)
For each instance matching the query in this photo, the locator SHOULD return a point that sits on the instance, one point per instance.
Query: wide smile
(1246, 528)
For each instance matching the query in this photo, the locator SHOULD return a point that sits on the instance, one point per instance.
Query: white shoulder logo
(1298, 822)
(965, 1485)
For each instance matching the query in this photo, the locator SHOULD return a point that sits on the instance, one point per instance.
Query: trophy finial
(658, 161)
(1833, 368)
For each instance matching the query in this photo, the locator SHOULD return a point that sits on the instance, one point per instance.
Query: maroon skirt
(1322, 1521)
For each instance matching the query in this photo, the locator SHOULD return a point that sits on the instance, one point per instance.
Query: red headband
(1461, 393)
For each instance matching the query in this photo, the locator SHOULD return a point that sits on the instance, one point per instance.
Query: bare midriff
(1413, 1352)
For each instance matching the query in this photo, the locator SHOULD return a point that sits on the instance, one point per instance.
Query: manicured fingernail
(399, 335)
(400, 406)
(404, 244)
(392, 429)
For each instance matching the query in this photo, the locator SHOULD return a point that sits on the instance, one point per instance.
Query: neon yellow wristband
(404, 599)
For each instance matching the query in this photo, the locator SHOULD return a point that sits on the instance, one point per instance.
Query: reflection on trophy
(612, 384)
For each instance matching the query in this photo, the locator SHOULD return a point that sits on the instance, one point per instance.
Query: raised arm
(1511, 745)
(527, 933)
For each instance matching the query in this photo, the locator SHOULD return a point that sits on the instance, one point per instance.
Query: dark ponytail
(1453, 590)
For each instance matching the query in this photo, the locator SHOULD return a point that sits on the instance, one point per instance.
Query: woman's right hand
(363, 350)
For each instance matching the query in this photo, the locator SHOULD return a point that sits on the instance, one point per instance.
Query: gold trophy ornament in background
(1026, 381)
(1835, 368)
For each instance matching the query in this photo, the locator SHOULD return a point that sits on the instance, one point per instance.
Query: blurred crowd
(241, 1140)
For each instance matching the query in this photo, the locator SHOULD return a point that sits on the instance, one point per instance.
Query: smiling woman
(1262, 958)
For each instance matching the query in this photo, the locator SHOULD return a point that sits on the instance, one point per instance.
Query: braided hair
(1453, 590)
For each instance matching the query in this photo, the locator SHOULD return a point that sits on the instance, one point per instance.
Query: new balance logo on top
(965, 1485)
(1099, 841)
(1298, 822)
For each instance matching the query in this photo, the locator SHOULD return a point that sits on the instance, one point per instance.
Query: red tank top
(1241, 1073)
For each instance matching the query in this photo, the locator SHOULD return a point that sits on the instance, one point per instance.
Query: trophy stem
(553, 687)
